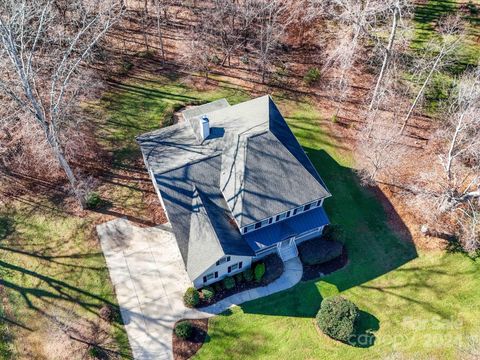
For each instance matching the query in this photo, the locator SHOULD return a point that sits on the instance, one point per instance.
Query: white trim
(300, 210)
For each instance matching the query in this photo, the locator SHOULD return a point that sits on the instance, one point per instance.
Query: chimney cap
(204, 118)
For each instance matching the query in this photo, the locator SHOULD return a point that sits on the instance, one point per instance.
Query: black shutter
(228, 258)
(240, 265)
(204, 279)
(216, 274)
(229, 269)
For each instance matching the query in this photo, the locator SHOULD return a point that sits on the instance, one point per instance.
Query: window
(258, 225)
(223, 260)
(281, 216)
(270, 220)
(307, 207)
(245, 230)
(319, 202)
(235, 266)
(210, 276)
(277, 218)
(294, 212)
(288, 214)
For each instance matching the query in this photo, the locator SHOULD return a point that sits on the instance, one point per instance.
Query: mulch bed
(185, 349)
(273, 270)
(312, 272)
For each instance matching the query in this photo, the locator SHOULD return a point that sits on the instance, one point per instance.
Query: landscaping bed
(273, 270)
(185, 348)
(312, 272)
(322, 255)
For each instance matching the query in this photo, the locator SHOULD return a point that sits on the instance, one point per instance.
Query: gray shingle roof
(250, 167)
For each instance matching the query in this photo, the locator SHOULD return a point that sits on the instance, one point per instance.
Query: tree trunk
(58, 151)
(160, 35)
(386, 58)
(419, 95)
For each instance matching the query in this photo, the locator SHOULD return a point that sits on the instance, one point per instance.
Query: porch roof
(294, 226)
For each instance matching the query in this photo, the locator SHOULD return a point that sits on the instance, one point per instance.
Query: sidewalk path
(149, 277)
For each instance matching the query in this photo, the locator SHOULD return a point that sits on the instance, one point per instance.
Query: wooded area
(52, 52)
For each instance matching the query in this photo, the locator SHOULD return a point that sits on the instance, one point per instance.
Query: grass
(53, 275)
(427, 16)
(419, 306)
(144, 104)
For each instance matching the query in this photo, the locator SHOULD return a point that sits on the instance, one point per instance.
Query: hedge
(318, 251)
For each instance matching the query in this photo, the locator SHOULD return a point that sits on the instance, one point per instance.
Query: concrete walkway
(149, 277)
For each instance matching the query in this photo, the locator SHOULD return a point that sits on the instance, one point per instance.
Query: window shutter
(218, 262)
(204, 279)
(216, 274)
(229, 269)
(240, 265)
(228, 258)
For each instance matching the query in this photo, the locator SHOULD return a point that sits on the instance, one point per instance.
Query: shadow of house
(373, 248)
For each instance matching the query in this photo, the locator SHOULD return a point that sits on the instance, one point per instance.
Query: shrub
(244, 59)
(217, 287)
(259, 271)
(97, 352)
(183, 329)
(239, 278)
(472, 8)
(311, 76)
(318, 251)
(93, 200)
(229, 283)
(337, 317)
(248, 275)
(109, 313)
(126, 67)
(208, 293)
(191, 297)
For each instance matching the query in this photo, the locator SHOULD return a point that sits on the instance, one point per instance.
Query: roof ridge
(204, 198)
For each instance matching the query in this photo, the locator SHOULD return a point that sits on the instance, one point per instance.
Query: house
(236, 186)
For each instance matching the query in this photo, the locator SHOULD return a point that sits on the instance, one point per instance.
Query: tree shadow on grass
(366, 217)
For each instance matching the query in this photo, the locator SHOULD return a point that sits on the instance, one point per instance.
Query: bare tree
(41, 55)
(451, 38)
(160, 6)
(453, 189)
(273, 20)
(397, 8)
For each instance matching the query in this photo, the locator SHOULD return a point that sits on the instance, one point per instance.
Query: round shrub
(259, 271)
(184, 329)
(337, 317)
(312, 76)
(208, 293)
(239, 278)
(191, 297)
(229, 283)
(93, 200)
(248, 275)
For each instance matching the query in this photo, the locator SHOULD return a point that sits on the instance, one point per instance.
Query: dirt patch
(312, 272)
(185, 348)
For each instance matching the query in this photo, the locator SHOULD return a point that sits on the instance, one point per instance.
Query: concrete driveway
(149, 278)
(147, 271)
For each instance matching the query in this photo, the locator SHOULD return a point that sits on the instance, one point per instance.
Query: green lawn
(416, 304)
(427, 16)
(52, 277)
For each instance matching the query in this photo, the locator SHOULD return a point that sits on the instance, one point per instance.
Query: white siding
(223, 270)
